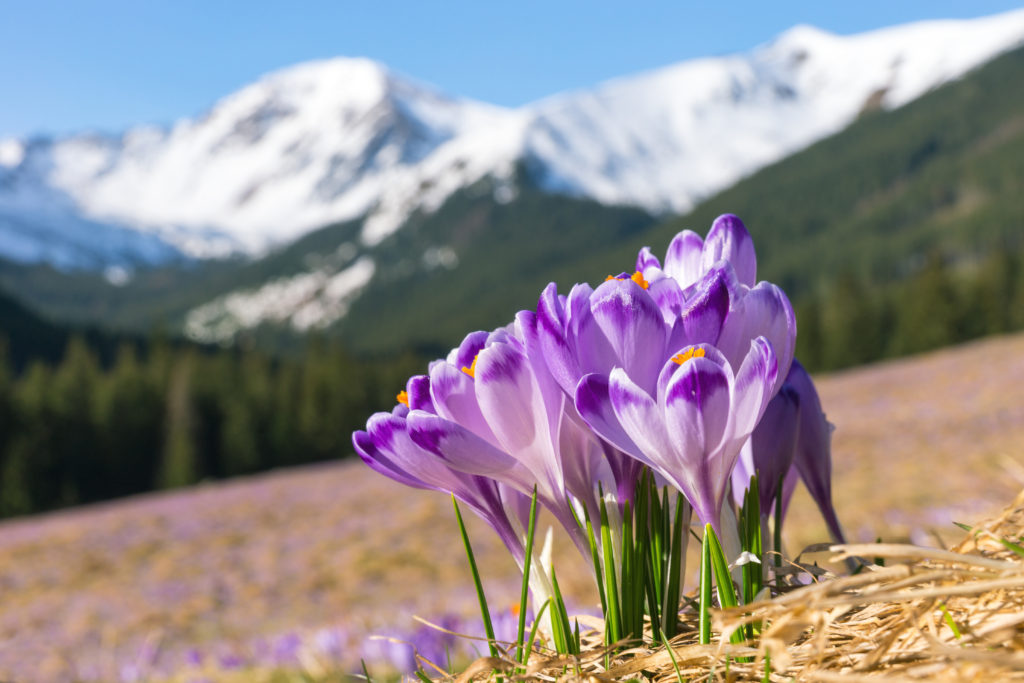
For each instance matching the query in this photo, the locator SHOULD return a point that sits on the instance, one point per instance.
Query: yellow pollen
(691, 352)
(636, 277)
(403, 397)
(471, 370)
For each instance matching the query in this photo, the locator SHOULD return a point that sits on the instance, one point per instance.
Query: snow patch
(311, 300)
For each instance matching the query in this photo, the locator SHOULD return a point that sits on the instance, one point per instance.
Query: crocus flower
(690, 429)
(813, 456)
(500, 414)
(770, 450)
(689, 257)
(388, 449)
(793, 440)
(632, 323)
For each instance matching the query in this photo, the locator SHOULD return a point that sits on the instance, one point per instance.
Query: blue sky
(71, 66)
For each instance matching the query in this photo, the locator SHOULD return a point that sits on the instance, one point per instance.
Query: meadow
(290, 575)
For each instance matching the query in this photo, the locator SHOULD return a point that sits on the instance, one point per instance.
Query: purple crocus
(792, 441)
(386, 446)
(634, 323)
(499, 413)
(689, 257)
(690, 429)
(813, 456)
(769, 452)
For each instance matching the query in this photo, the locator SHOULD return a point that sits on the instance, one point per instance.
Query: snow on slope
(345, 138)
(667, 138)
(315, 143)
(307, 301)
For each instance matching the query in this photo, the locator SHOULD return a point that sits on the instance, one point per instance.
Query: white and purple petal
(595, 407)
(634, 327)
(763, 310)
(683, 259)
(730, 241)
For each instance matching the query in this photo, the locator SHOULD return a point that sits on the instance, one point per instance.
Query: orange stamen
(683, 356)
(471, 370)
(636, 277)
(403, 397)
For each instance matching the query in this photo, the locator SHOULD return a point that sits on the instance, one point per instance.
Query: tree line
(161, 416)
(851, 320)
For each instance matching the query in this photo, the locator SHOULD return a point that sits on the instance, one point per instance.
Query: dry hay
(884, 623)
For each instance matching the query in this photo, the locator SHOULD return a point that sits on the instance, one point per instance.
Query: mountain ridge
(349, 139)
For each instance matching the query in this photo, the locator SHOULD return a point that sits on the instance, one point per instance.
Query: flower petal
(773, 443)
(378, 461)
(701, 321)
(462, 356)
(645, 259)
(729, 240)
(763, 310)
(511, 402)
(595, 407)
(551, 332)
(632, 323)
(418, 389)
(755, 386)
(813, 457)
(458, 447)
(697, 407)
(683, 260)
(454, 398)
(642, 420)
(668, 296)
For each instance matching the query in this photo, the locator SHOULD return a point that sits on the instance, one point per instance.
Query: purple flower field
(294, 571)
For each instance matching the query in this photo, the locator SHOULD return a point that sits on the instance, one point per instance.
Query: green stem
(484, 611)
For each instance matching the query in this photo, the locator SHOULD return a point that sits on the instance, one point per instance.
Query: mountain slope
(941, 174)
(347, 139)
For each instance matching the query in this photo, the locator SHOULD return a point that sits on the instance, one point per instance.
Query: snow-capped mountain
(348, 138)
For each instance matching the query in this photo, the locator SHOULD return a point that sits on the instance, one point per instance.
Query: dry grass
(928, 614)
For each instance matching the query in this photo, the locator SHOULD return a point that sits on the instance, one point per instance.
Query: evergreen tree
(131, 411)
(178, 466)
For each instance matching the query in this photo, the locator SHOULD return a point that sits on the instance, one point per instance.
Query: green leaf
(670, 604)
(525, 592)
(948, 618)
(726, 589)
(560, 619)
(705, 590)
(1009, 545)
(613, 616)
(533, 633)
(595, 556)
(484, 611)
(672, 656)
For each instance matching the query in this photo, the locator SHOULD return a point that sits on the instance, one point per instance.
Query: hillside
(255, 571)
(942, 173)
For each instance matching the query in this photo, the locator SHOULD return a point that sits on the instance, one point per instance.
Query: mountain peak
(347, 138)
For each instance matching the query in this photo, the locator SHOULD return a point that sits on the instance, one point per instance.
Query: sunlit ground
(295, 569)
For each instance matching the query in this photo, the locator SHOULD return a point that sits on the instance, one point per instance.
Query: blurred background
(229, 233)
